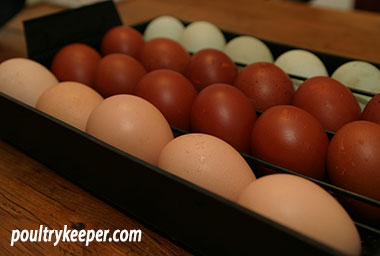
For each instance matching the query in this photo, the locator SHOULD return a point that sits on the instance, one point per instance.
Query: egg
(25, 80)
(291, 138)
(210, 66)
(201, 35)
(371, 111)
(305, 207)
(301, 63)
(359, 75)
(353, 163)
(122, 39)
(76, 62)
(71, 102)
(117, 73)
(225, 112)
(130, 124)
(247, 49)
(163, 53)
(265, 84)
(164, 27)
(171, 92)
(208, 162)
(329, 101)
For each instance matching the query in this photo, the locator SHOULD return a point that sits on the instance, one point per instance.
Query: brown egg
(291, 138)
(25, 80)
(118, 73)
(171, 93)
(371, 111)
(131, 124)
(163, 53)
(265, 84)
(76, 62)
(354, 164)
(210, 66)
(71, 102)
(329, 101)
(305, 207)
(122, 39)
(208, 162)
(225, 112)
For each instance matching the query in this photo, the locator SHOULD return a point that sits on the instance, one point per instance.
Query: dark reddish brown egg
(225, 112)
(353, 163)
(163, 53)
(171, 93)
(118, 73)
(329, 101)
(210, 66)
(266, 85)
(291, 138)
(371, 111)
(76, 62)
(122, 39)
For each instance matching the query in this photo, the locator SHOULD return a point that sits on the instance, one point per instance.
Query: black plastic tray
(193, 217)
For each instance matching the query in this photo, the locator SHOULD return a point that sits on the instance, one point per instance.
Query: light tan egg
(305, 207)
(208, 162)
(131, 124)
(71, 102)
(25, 80)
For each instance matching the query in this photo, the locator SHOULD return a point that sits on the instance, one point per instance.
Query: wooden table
(31, 194)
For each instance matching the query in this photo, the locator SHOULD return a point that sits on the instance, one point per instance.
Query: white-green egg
(247, 50)
(359, 75)
(301, 63)
(164, 26)
(201, 35)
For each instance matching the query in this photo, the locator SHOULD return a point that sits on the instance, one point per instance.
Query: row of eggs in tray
(129, 103)
(247, 49)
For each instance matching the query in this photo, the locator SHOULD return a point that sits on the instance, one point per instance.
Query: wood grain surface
(31, 194)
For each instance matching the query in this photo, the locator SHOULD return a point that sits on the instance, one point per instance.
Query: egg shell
(301, 63)
(164, 27)
(171, 92)
(25, 80)
(163, 53)
(76, 62)
(265, 84)
(118, 73)
(208, 162)
(122, 39)
(247, 50)
(210, 66)
(130, 124)
(329, 101)
(359, 75)
(291, 138)
(71, 102)
(371, 111)
(353, 163)
(304, 207)
(224, 111)
(201, 35)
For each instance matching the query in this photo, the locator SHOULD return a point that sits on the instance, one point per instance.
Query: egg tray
(193, 217)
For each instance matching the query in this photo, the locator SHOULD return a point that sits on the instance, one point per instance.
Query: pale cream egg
(25, 79)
